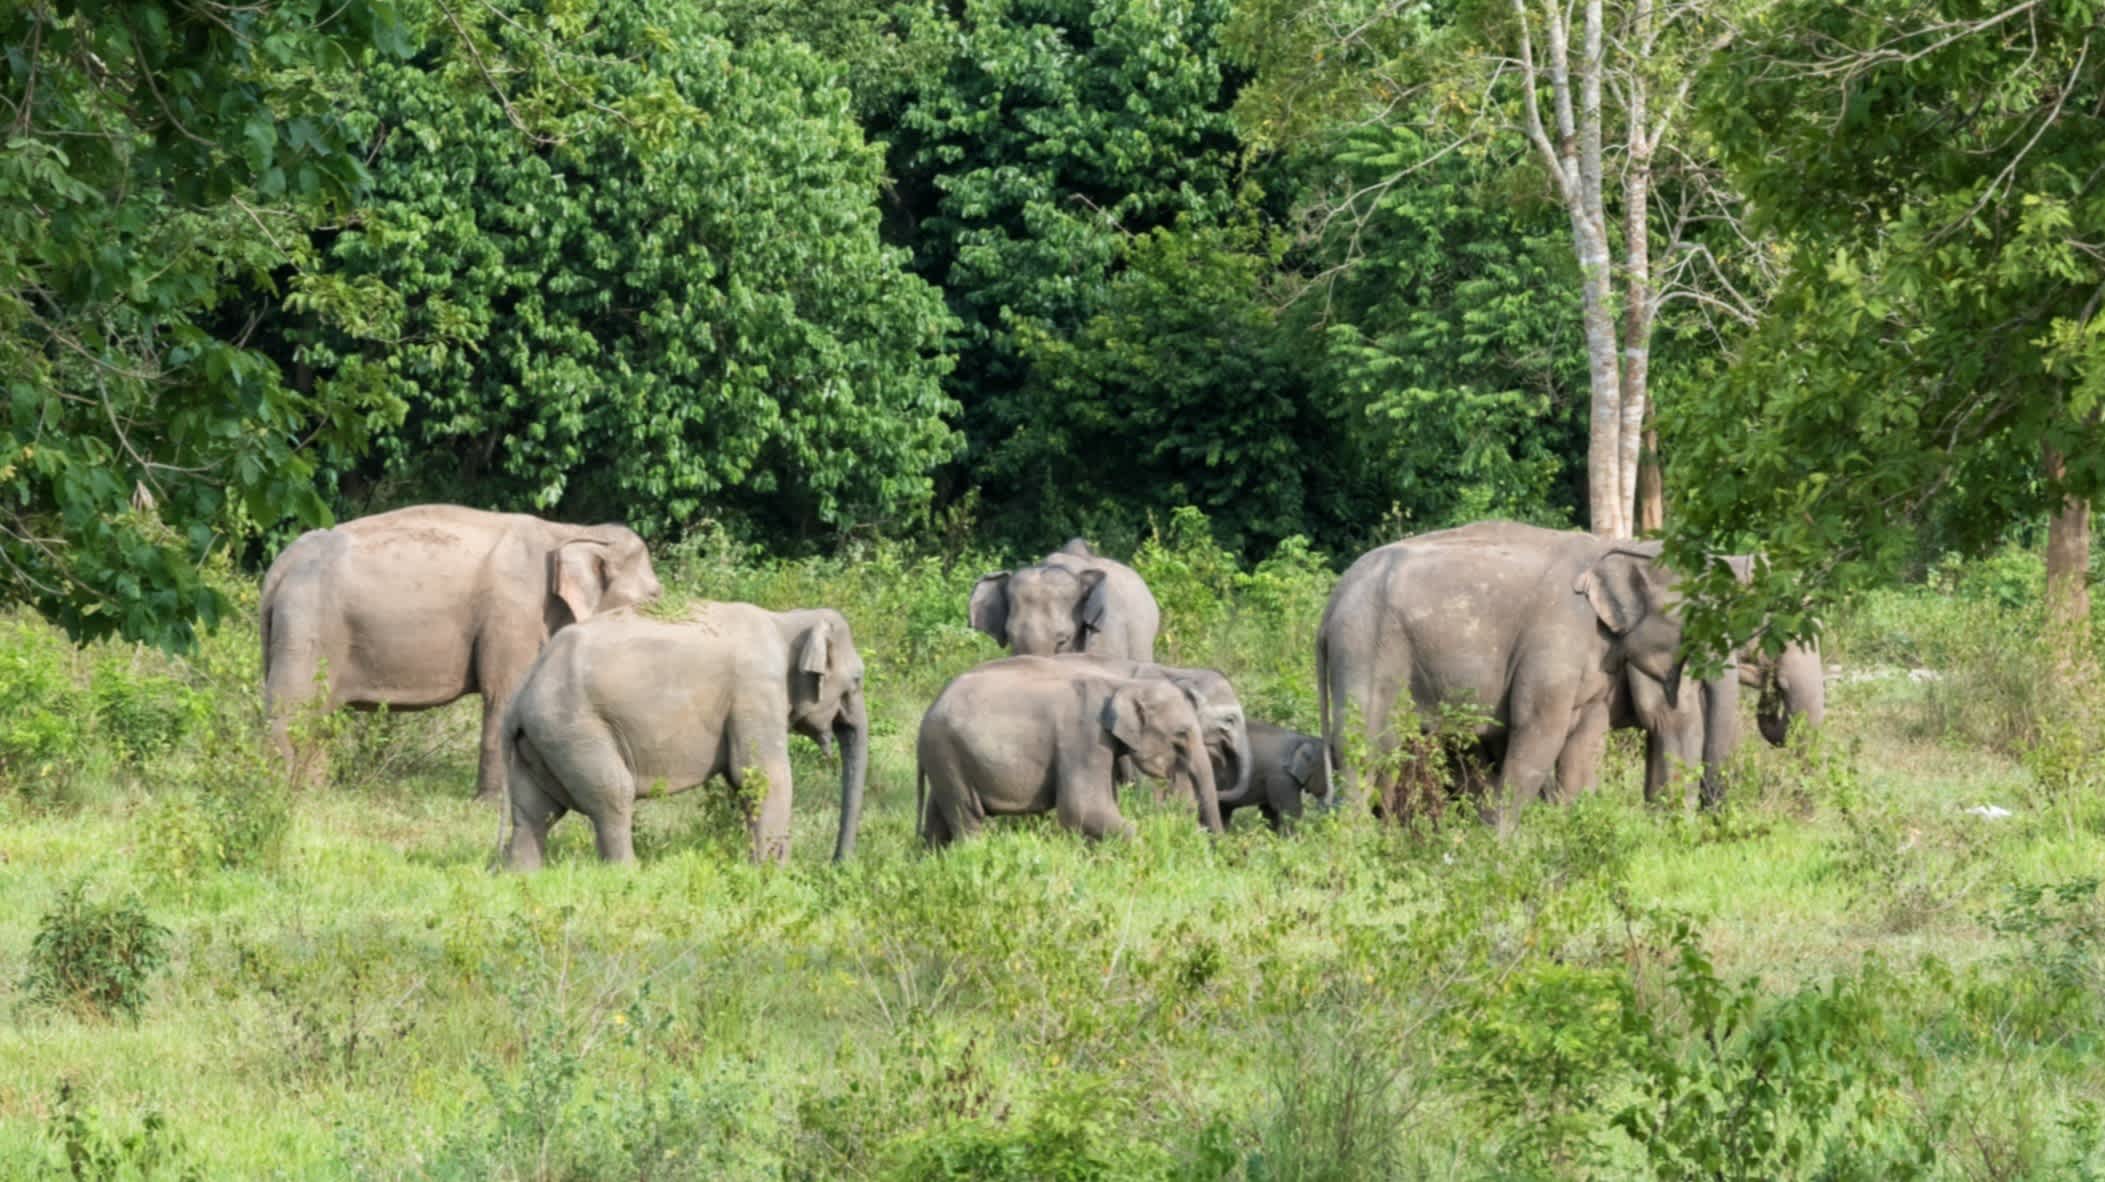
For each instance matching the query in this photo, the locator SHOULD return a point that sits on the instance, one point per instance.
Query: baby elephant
(1006, 739)
(1284, 765)
(623, 706)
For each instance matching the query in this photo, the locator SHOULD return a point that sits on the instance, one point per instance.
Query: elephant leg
(499, 667)
(767, 820)
(532, 814)
(1090, 812)
(614, 831)
(1542, 722)
(1579, 762)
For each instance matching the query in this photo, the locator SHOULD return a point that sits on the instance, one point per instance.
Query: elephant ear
(817, 646)
(1742, 567)
(578, 575)
(1619, 586)
(989, 612)
(1078, 548)
(1095, 609)
(1126, 716)
(1305, 762)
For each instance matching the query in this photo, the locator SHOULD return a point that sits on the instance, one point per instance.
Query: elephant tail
(1333, 728)
(921, 797)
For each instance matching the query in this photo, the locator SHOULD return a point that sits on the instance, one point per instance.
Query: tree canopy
(1340, 270)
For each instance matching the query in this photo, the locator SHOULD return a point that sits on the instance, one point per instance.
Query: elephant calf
(623, 705)
(1013, 738)
(1285, 765)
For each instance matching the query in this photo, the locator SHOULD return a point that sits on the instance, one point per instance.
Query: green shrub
(1074, 1136)
(80, 1146)
(229, 808)
(46, 719)
(95, 957)
(141, 713)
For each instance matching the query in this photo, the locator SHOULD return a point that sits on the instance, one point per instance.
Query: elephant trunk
(1721, 732)
(1201, 766)
(852, 728)
(1793, 686)
(1234, 774)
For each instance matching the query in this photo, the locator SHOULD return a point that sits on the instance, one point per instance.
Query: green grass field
(1844, 976)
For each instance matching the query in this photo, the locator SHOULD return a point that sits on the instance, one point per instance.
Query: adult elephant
(1075, 601)
(1009, 739)
(1222, 725)
(626, 706)
(1530, 629)
(417, 607)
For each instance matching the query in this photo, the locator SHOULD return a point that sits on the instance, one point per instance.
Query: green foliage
(647, 285)
(1936, 327)
(44, 716)
(96, 958)
(82, 1147)
(1055, 137)
(1072, 1137)
(228, 808)
(163, 166)
(1453, 335)
(1185, 374)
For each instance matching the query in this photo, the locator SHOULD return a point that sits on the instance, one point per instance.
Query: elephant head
(1154, 723)
(1793, 686)
(1633, 597)
(1041, 610)
(601, 569)
(1221, 727)
(826, 703)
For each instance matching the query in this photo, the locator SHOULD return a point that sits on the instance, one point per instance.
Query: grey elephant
(1006, 739)
(1791, 688)
(1692, 731)
(1221, 722)
(1533, 630)
(1073, 602)
(1286, 767)
(417, 607)
(626, 707)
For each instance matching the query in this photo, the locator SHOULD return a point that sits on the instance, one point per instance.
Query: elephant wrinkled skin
(1073, 602)
(1007, 739)
(417, 607)
(625, 706)
(1532, 628)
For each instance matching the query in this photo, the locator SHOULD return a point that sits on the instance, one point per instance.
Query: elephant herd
(1541, 641)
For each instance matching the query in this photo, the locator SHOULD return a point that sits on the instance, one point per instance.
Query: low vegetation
(1845, 974)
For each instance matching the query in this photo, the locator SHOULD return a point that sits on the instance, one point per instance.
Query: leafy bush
(95, 957)
(81, 1146)
(141, 713)
(227, 809)
(1074, 1136)
(45, 718)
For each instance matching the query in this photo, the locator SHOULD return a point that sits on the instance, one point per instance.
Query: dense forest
(1818, 281)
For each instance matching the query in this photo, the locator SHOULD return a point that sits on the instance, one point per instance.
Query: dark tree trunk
(2068, 571)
